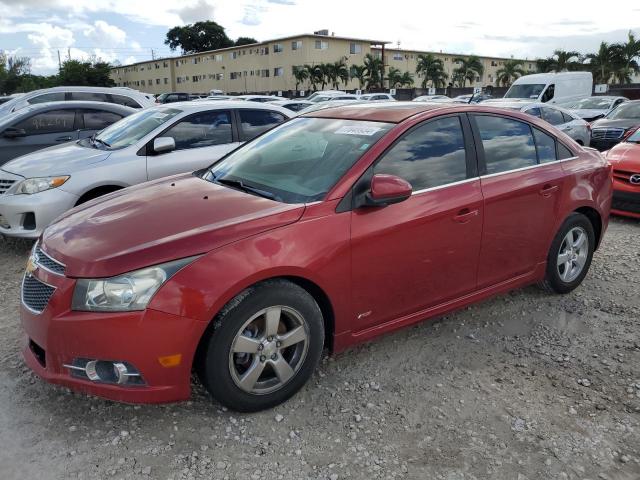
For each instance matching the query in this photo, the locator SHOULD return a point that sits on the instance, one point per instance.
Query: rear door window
(89, 96)
(553, 116)
(203, 129)
(54, 121)
(508, 143)
(428, 156)
(535, 111)
(545, 146)
(564, 152)
(255, 122)
(97, 120)
(126, 101)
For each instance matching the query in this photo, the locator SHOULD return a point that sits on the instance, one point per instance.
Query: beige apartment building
(268, 66)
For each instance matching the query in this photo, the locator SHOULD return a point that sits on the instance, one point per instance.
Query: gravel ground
(526, 386)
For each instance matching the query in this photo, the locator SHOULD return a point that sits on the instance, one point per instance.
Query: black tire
(553, 281)
(214, 363)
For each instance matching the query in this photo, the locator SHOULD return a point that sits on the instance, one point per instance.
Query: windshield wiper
(102, 142)
(246, 188)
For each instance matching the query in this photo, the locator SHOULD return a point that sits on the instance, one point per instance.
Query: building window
(264, 73)
(142, 82)
(278, 72)
(166, 81)
(398, 56)
(264, 51)
(296, 45)
(494, 63)
(157, 81)
(277, 48)
(321, 45)
(157, 66)
(234, 75)
(355, 48)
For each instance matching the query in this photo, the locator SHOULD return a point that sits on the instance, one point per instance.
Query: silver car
(593, 108)
(46, 124)
(119, 95)
(151, 143)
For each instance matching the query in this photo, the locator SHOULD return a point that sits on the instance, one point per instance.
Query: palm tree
(336, 72)
(600, 63)
(431, 68)
(511, 70)
(545, 65)
(312, 75)
(359, 72)
(300, 74)
(394, 77)
(406, 80)
(470, 68)
(373, 71)
(566, 60)
(629, 51)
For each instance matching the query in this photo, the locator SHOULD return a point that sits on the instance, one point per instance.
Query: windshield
(593, 103)
(525, 90)
(299, 161)
(625, 110)
(130, 129)
(634, 137)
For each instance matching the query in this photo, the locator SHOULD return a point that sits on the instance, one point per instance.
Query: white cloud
(103, 34)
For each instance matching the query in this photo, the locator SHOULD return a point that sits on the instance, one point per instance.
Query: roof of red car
(393, 112)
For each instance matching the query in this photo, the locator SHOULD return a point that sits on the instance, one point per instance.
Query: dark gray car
(46, 124)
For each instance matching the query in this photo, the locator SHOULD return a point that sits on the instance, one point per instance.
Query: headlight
(36, 185)
(124, 293)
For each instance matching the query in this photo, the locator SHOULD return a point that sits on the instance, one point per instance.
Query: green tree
(511, 70)
(359, 72)
(470, 68)
(600, 63)
(198, 37)
(301, 74)
(373, 71)
(245, 41)
(545, 65)
(93, 73)
(431, 69)
(565, 60)
(406, 80)
(337, 72)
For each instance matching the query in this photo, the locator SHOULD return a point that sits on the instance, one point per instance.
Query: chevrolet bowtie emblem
(31, 266)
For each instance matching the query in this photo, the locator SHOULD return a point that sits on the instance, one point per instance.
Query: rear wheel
(570, 254)
(267, 344)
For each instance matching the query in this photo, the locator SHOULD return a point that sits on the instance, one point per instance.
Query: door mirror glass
(13, 132)
(387, 190)
(164, 145)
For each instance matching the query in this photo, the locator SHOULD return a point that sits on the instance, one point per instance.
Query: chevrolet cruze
(329, 230)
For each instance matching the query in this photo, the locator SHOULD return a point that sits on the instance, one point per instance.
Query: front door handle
(63, 139)
(465, 215)
(547, 190)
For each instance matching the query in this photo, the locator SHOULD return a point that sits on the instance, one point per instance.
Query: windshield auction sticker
(353, 130)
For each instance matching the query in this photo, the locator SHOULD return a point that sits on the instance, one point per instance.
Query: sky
(128, 31)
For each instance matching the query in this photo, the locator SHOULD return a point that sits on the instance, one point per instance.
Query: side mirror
(13, 132)
(387, 190)
(164, 145)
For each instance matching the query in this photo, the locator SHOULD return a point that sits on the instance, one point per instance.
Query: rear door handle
(63, 139)
(547, 190)
(465, 215)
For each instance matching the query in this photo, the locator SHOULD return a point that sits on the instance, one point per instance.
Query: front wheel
(266, 346)
(570, 254)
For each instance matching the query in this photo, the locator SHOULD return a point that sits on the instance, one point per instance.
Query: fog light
(105, 371)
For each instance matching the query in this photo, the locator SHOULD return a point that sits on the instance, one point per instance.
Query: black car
(611, 129)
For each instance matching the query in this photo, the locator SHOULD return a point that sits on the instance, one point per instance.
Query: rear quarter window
(255, 122)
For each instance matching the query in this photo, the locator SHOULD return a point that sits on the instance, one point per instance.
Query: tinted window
(201, 130)
(546, 146)
(566, 117)
(508, 144)
(126, 101)
(564, 152)
(548, 93)
(254, 122)
(47, 97)
(90, 96)
(48, 122)
(428, 156)
(97, 120)
(296, 107)
(553, 116)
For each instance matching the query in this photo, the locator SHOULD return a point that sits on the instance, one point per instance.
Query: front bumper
(57, 336)
(603, 144)
(626, 203)
(26, 216)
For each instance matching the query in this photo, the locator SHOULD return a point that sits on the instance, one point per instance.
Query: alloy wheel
(573, 254)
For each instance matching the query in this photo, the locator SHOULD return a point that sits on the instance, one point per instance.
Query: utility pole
(59, 61)
(68, 53)
(153, 55)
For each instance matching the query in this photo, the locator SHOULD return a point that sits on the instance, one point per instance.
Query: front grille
(627, 202)
(625, 176)
(5, 185)
(607, 133)
(48, 263)
(35, 294)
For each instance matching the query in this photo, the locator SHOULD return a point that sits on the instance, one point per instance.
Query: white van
(549, 88)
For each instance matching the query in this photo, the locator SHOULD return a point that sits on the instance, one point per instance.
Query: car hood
(588, 112)
(156, 222)
(57, 160)
(620, 123)
(625, 156)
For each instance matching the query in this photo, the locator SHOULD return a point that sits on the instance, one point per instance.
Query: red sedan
(327, 231)
(625, 158)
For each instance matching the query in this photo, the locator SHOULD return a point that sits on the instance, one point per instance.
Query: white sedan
(152, 143)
